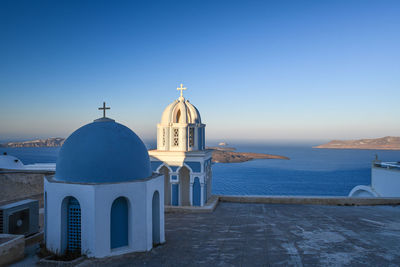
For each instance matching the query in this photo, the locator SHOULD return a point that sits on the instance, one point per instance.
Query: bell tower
(181, 155)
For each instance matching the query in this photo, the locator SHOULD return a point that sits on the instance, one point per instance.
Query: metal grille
(18, 222)
(163, 137)
(1, 222)
(74, 225)
(176, 137)
(191, 137)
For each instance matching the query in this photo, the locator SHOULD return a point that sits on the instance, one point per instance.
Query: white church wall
(106, 194)
(56, 193)
(96, 202)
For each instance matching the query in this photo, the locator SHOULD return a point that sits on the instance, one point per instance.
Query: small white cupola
(180, 128)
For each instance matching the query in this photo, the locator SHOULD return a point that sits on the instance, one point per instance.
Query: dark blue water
(31, 155)
(323, 172)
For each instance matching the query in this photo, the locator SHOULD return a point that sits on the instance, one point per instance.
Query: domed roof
(180, 111)
(102, 152)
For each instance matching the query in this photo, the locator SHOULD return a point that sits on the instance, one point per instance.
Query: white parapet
(385, 181)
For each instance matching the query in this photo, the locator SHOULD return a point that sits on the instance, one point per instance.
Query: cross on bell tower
(181, 89)
(104, 108)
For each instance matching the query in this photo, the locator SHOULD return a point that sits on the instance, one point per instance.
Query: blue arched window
(119, 223)
(73, 224)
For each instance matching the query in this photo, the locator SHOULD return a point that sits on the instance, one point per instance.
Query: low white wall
(386, 182)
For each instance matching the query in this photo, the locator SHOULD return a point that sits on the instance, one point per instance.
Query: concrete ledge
(209, 207)
(12, 248)
(303, 200)
(33, 239)
(311, 200)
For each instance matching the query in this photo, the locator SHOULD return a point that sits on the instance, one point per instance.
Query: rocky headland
(228, 155)
(49, 142)
(384, 143)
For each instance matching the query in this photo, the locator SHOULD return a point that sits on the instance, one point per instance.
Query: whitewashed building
(103, 199)
(181, 155)
(385, 181)
(11, 163)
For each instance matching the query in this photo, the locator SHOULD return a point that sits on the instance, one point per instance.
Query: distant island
(384, 143)
(49, 142)
(228, 155)
(220, 154)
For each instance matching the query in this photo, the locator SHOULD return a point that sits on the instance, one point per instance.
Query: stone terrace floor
(237, 234)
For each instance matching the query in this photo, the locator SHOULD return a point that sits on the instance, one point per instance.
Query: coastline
(358, 148)
(383, 143)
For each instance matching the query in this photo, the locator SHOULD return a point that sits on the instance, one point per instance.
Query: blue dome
(102, 152)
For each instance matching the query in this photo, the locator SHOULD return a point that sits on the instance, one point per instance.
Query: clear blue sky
(256, 70)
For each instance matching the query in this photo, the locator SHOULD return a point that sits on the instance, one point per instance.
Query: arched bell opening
(167, 185)
(184, 185)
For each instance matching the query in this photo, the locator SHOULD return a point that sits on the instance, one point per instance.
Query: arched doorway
(167, 185)
(156, 217)
(196, 192)
(71, 225)
(119, 223)
(184, 185)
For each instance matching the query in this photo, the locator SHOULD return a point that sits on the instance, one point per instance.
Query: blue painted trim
(195, 166)
(155, 165)
(174, 168)
(204, 138)
(196, 192)
(199, 139)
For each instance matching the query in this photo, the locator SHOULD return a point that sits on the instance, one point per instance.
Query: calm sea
(309, 171)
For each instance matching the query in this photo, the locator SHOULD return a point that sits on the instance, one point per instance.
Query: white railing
(387, 165)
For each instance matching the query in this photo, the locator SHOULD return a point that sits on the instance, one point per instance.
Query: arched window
(119, 223)
(167, 185)
(184, 186)
(178, 116)
(156, 218)
(71, 224)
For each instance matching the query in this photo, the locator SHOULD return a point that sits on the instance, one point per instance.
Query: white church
(104, 199)
(181, 155)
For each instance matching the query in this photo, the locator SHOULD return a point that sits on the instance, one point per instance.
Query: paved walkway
(239, 234)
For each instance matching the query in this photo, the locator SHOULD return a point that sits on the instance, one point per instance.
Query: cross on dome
(181, 89)
(104, 108)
